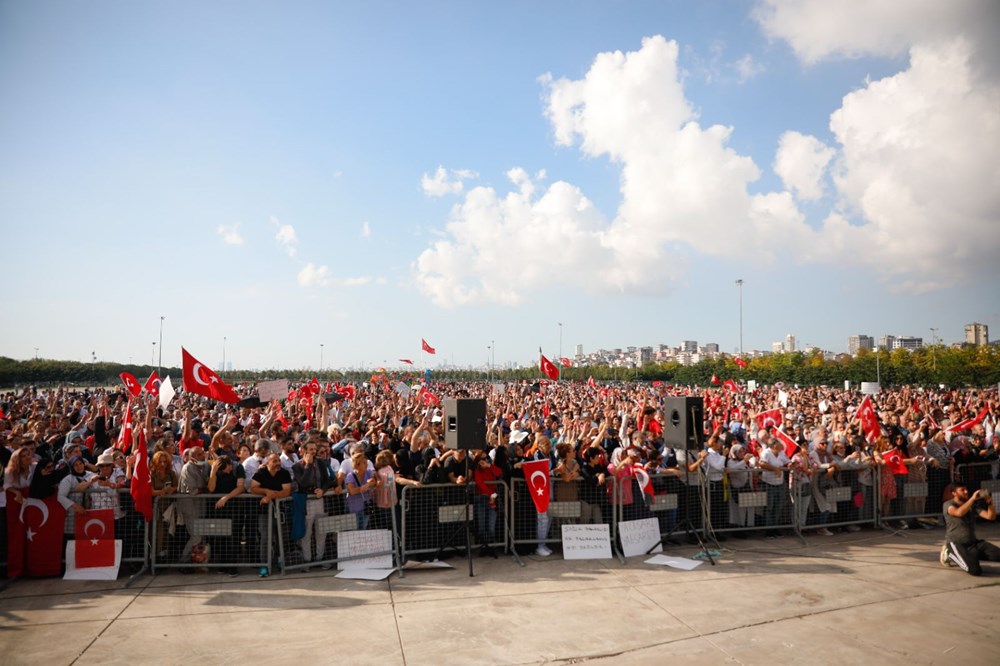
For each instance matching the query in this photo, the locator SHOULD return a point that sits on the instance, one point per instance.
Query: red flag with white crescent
(95, 538)
(740, 362)
(565, 361)
(202, 380)
(730, 385)
(125, 434)
(131, 383)
(536, 475)
(968, 424)
(869, 419)
(591, 383)
(349, 392)
(426, 347)
(715, 380)
(41, 523)
(406, 361)
(786, 441)
(548, 367)
(314, 386)
(645, 483)
(772, 417)
(152, 385)
(894, 461)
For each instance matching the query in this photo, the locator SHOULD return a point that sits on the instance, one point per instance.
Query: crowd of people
(356, 451)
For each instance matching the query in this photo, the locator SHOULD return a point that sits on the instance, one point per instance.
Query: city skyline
(325, 184)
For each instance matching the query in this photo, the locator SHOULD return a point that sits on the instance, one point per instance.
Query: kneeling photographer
(961, 547)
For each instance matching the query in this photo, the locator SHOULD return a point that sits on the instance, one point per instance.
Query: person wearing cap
(103, 494)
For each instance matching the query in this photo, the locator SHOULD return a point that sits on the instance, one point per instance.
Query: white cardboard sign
(639, 537)
(365, 542)
(276, 389)
(586, 542)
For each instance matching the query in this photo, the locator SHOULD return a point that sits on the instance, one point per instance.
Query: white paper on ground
(675, 562)
(436, 564)
(365, 574)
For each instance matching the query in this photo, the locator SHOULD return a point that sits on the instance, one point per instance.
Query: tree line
(951, 366)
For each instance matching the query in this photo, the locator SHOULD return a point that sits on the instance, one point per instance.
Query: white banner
(276, 389)
(167, 392)
(640, 537)
(365, 542)
(586, 542)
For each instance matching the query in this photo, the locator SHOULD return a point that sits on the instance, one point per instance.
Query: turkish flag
(407, 361)
(645, 483)
(328, 388)
(591, 383)
(789, 443)
(95, 538)
(894, 461)
(314, 386)
(734, 415)
(280, 418)
(740, 362)
(536, 474)
(291, 395)
(869, 419)
(715, 380)
(40, 525)
(125, 435)
(426, 347)
(141, 488)
(203, 381)
(429, 398)
(131, 383)
(548, 367)
(152, 385)
(968, 424)
(349, 392)
(565, 361)
(730, 385)
(657, 384)
(655, 427)
(771, 417)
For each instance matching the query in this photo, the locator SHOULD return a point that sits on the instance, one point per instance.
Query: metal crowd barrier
(981, 475)
(745, 502)
(321, 520)
(838, 501)
(530, 528)
(434, 516)
(914, 500)
(192, 532)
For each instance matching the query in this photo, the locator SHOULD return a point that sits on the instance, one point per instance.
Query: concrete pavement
(869, 597)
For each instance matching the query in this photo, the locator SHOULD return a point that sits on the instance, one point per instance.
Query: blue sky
(268, 173)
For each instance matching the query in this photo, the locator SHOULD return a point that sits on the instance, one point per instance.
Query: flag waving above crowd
(202, 380)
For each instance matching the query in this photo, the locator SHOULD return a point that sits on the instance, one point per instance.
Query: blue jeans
(486, 519)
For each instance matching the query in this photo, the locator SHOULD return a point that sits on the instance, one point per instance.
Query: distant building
(644, 355)
(579, 351)
(907, 342)
(977, 334)
(711, 347)
(789, 345)
(777, 347)
(856, 343)
(689, 346)
(887, 342)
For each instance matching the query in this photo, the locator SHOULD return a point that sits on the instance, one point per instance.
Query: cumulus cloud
(285, 236)
(314, 276)
(747, 68)
(915, 185)
(230, 233)
(801, 163)
(855, 28)
(443, 182)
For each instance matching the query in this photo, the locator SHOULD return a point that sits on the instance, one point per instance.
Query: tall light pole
(159, 363)
(152, 355)
(560, 339)
(739, 283)
(933, 348)
(223, 353)
(321, 357)
(489, 366)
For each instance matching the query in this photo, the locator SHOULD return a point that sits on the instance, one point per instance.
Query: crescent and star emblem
(40, 505)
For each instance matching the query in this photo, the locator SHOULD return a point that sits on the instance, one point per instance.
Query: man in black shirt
(271, 482)
(962, 548)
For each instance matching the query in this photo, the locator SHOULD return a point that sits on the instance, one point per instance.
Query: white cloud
(441, 183)
(916, 182)
(855, 28)
(366, 230)
(230, 234)
(285, 236)
(314, 276)
(747, 68)
(801, 163)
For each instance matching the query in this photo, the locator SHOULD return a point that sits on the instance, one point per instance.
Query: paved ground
(870, 597)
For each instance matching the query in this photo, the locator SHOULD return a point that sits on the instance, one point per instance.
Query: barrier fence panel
(198, 531)
(434, 516)
(835, 500)
(751, 499)
(570, 503)
(308, 529)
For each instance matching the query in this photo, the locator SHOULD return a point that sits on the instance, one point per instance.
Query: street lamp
(159, 363)
(223, 353)
(739, 283)
(321, 357)
(152, 354)
(560, 339)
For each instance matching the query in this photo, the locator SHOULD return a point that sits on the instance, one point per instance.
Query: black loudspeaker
(465, 424)
(684, 418)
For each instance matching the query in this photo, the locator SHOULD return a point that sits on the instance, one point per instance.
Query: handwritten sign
(273, 390)
(357, 543)
(639, 537)
(586, 542)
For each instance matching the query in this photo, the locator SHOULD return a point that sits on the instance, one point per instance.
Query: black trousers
(968, 557)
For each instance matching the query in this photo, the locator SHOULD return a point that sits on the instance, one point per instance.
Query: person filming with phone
(961, 547)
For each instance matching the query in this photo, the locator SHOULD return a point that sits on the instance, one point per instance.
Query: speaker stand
(449, 542)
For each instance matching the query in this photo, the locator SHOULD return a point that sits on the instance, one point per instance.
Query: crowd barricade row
(844, 499)
(197, 531)
(434, 518)
(570, 503)
(308, 530)
(914, 498)
(742, 502)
